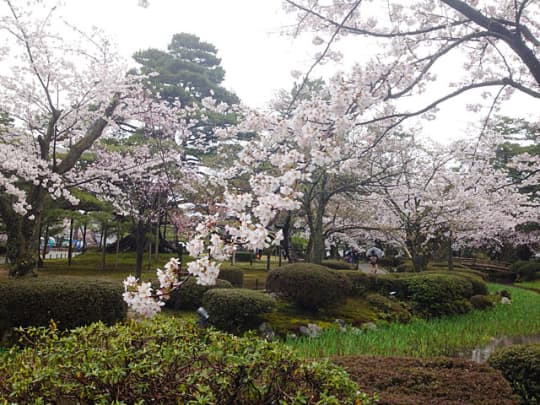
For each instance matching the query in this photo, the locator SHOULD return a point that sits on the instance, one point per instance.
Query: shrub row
(520, 365)
(70, 303)
(166, 361)
(431, 293)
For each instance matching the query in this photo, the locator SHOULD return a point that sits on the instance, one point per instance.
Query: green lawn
(438, 337)
(116, 269)
(530, 284)
(89, 265)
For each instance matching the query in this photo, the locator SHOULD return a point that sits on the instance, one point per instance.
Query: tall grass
(438, 337)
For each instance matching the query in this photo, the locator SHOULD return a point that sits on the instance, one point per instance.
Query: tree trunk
(84, 233)
(450, 256)
(22, 235)
(104, 247)
(117, 246)
(70, 245)
(139, 242)
(316, 248)
(46, 244)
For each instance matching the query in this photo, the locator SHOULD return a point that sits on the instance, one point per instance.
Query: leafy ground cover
(406, 380)
(437, 337)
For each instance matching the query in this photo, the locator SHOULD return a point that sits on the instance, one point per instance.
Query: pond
(481, 354)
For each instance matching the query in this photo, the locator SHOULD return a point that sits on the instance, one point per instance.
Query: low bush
(481, 302)
(433, 381)
(389, 309)
(309, 286)
(515, 266)
(166, 361)
(236, 309)
(244, 256)
(233, 275)
(390, 262)
(529, 271)
(520, 365)
(337, 265)
(434, 295)
(361, 283)
(189, 295)
(70, 303)
(405, 267)
(476, 278)
(391, 283)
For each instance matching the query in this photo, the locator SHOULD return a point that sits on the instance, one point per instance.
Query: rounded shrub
(436, 295)
(233, 275)
(361, 283)
(308, 285)
(520, 365)
(389, 309)
(476, 279)
(236, 309)
(481, 302)
(166, 361)
(190, 294)
(391, 283)
(70, 303)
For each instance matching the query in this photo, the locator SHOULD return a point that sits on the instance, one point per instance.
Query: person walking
(373, 255)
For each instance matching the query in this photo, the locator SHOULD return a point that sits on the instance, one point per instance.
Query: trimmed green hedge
(389, 309)
(70, 303)
(166, 361)
(190, 294)
(233, 275)
(236, 309)
(361, 283)
(520, 365)
(309, 285)
(432, 293)
(244, 256)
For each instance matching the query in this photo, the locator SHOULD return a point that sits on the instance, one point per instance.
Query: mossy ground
(288, 318)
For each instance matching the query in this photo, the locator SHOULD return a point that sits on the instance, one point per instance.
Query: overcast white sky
(257, 59)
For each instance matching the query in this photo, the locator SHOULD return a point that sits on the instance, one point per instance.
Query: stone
(311, 330)
(341, 324)
(266, 331)
(369, 325)
(505, 300)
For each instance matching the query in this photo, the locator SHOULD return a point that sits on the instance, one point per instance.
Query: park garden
(165, 243)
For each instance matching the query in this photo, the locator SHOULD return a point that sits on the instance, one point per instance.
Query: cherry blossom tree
(62, 96)
(453, 194)
(497, 43)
